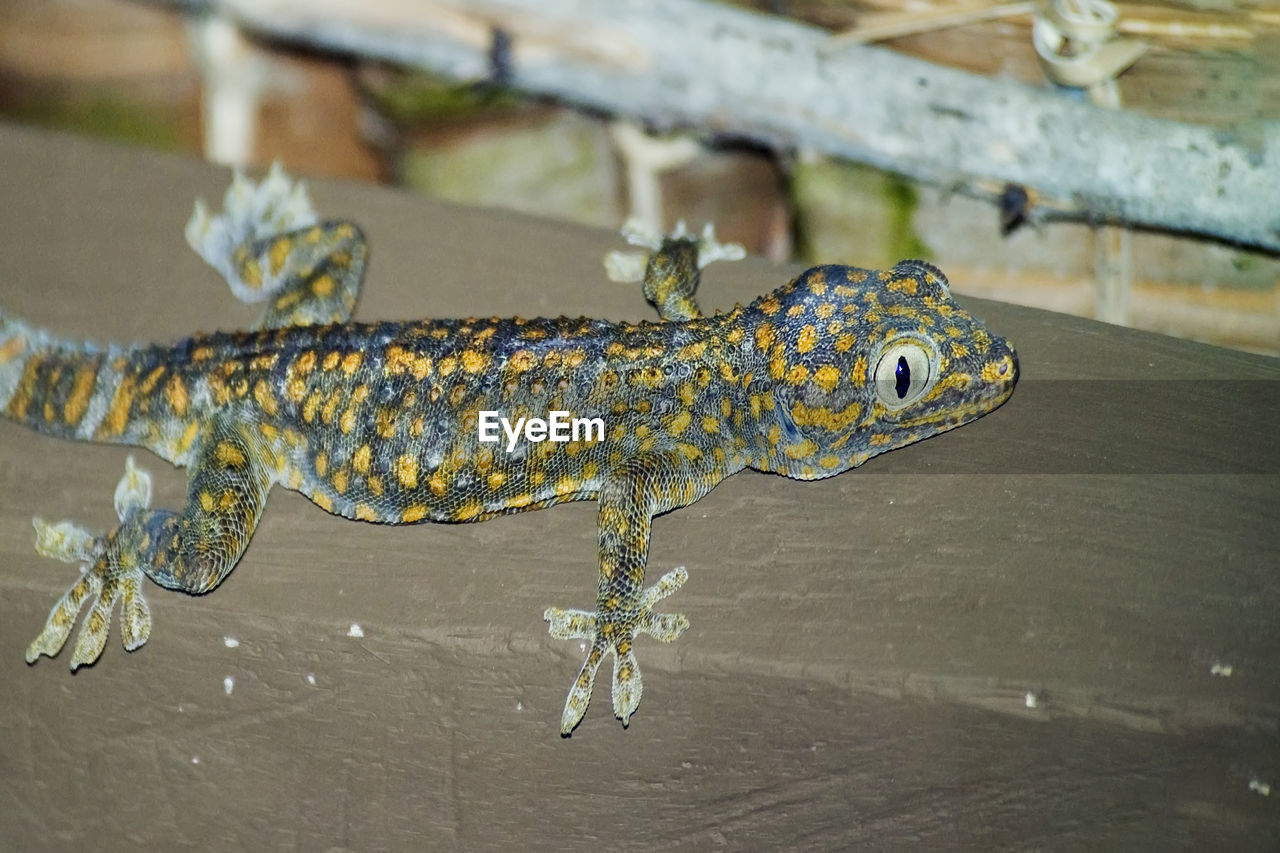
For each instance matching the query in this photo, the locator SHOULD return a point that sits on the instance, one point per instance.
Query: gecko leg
(624, 607)
(191, 551)
(672, 268)
(268, 243)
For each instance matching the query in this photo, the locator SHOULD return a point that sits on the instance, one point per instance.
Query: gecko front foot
(613, 631)
(110, 573)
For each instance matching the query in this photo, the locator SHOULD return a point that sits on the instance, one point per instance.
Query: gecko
(381, 422)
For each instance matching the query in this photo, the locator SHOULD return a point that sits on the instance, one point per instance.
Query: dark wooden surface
(861, 648)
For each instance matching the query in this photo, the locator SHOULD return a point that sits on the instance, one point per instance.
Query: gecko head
(859, 362)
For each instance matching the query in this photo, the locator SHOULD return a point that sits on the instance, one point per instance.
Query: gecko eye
(902, 374)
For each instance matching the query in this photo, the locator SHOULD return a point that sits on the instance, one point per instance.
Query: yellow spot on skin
(829, 461)
(322, 286)
(496, 479)
(836, 421)
(351, 362)
(323, 501)
(251, 273)
(959, 350)
(278, 254)
(331, 406)
(188, 437)
(267, 400)
(384, 420)
(375, 485)
(801, 449)
(764, 336)
(118, 413)
(321, 463)
(474, 362)
(566, 486)
(710, 425)
(364, 512)
(309, 408)
(339, 481)
(206, 501)
(826, 378)
(769, 305)
(398, 360)
(468, 511)
(78, 400)
(797, 375)
(689, 451)
(266, 361)
(521, 360)
(678, 423)
(147, 385)
(879, 440)
(287, 300)
(228, 455)
(906, 284)
(807, 340)
(859, 370)
(348, 421)
(360, 461)
(777, 364)
(175, 394)
(417, 512)
(689, 352)
(407, 471)
(331, 360)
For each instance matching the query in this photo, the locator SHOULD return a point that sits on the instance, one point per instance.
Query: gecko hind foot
(614, 633)
(108, 576)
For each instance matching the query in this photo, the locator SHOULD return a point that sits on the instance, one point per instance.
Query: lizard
(381, 421)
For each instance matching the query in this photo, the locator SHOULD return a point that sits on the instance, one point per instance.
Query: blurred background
(333, 100)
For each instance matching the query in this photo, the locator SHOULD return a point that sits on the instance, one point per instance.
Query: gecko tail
(55, 386)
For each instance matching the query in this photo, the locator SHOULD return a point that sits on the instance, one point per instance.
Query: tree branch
(683, 63)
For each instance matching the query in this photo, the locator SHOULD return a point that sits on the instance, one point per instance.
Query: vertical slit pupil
(903, 374)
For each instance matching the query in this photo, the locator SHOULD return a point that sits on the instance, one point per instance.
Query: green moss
(415, 97)
(103, 115)
(901, 200)
(849, 213)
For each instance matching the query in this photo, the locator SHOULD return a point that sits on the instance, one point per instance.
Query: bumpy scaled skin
(380, 421)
